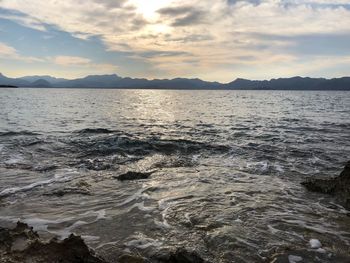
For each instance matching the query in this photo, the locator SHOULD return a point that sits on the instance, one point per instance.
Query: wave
(13, 190)
(20, 133)
(95, 131)
(128, 145)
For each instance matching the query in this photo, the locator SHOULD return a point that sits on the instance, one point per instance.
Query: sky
(210, 39)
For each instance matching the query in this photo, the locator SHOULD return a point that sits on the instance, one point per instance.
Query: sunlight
(148, 8)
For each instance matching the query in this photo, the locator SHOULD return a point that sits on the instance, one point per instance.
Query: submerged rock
(127, 258)
(97, 164)
(133, 176)
(337, 186)
(305, 255)
(22, 244)
(81, 187)
(180, 255)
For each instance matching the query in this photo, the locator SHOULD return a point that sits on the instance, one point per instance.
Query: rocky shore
(22, 244)
(338, 186)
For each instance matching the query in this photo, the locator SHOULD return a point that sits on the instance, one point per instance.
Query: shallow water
(228, 167)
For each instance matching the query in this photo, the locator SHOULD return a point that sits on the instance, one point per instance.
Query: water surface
(227, 168)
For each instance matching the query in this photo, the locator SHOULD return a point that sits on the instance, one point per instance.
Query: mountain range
(115, 81)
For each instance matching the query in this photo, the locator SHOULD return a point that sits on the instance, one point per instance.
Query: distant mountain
(12, 82)
(295, 83)
(41, 83)
(49, 79)
(115, 81)
(92, 81)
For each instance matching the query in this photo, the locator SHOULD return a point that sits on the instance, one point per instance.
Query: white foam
(315, 243)
(321, 250)
(272, 229)
(143, 243)
(63, 176)
(135, 196)
(14, 159)
(40, 224)
(164, 224)
(279, 168)
(187, 216)
(141, 206)
(294, 259)
(55, 179)
(100, 214)
(88, 238)
(264, 166)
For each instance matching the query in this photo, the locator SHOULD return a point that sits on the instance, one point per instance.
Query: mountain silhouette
(115, 81)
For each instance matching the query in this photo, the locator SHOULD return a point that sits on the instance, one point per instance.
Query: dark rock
(81, 187)
(22, 244)
(97, 165)
(127, 258)
(308, 256)
(133, 176)
(337, 186)
(69, 191)
(97, 130)
(180, 255)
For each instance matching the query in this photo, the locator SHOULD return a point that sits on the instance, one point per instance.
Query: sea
(226, 169)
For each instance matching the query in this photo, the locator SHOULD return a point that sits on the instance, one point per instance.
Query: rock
(294, 259)
(126, 258)
(180, 255)
(22, 244)
(315, 244)
(337, 186)
(68, 191)
(133, 176)
(81, 187)
(307, 255)
(97, 165)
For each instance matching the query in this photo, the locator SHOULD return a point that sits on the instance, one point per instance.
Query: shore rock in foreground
(129, 176)
(22, 244)
(338, 186)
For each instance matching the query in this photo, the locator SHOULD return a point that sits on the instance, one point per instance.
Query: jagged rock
(133, 176)
(127, 258)
(97, 165)
(180, 255)
(22, 244)
(295, 255)
(68, 191)
(338, 186)
(81, 187)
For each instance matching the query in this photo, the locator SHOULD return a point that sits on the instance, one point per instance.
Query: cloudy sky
(210, 39)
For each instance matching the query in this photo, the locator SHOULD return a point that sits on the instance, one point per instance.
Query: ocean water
(227, 169)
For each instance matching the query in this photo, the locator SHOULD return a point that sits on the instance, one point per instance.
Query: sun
(148, 8)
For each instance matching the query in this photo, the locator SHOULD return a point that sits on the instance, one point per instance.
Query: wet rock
(97, 131)
(22, 244)
(127, 258)
(97, 165)
(133, 176)
(45, 168)
(180, 255)
(338, 186)
(81, 187)
(303, 255)
(68, 191)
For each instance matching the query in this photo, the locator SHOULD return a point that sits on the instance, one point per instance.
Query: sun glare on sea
(148, 8)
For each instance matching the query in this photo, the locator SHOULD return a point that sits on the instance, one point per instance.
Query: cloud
(71, 61)
(198, 36)
(82, 63)
(8, 52)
